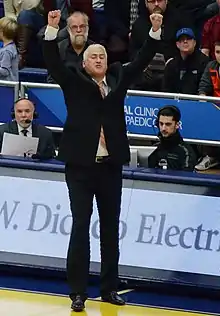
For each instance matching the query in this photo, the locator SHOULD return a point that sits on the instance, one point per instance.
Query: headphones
(35, 114)
(172, 108)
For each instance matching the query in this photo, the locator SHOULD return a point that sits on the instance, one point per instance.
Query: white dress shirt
(102, 151)
(29, 130)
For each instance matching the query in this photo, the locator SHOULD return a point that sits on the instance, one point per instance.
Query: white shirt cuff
(50, 33)
(155, 35)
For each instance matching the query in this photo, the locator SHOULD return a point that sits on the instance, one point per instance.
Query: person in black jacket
(172, 152)
(22, 124)
(119, 17)
(173, 20)
(94, 148)
(183, 73)
(199, 10)
(72, 47)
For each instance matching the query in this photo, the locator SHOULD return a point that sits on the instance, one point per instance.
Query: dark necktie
(24, 132)
(102, 136)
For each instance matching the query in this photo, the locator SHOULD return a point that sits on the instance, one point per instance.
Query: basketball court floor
(23, 303)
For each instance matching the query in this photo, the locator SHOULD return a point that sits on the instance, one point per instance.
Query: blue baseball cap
(185, 31)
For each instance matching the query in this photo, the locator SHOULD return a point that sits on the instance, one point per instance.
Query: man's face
(167, 125)
(186, 44)
(217, 53)
(24, 110)
(78, 29)
(96, 62)
(156, 6)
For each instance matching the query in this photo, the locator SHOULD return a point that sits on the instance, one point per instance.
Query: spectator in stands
(72, 48)
(210, 81)
(183, 72)
(86, 7)
(211, 35)
(210, 86)
(120, 16)
(30, 18)
(199, 10)
(172, 152)
(23, 124)
(12, 8)
(172, 22)
(8, 53)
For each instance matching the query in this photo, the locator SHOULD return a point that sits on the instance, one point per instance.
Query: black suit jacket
(87, 111)
(117, 15)
(46, 146)
(68, 55)
(173, 20)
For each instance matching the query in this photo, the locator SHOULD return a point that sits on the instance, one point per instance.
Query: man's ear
(178, 44)
(83, 64)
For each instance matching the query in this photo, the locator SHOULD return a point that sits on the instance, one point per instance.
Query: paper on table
(19, 145)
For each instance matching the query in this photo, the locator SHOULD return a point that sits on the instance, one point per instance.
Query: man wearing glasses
(72, 47)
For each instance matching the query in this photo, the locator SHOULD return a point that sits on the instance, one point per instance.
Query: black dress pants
(104, 181)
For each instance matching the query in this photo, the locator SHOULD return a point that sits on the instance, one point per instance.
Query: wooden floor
(14, 303)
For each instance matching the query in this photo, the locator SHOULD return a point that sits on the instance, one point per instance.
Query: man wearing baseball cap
(183, 72)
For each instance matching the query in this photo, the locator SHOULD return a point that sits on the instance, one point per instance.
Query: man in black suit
(94, 147)
(24, 113)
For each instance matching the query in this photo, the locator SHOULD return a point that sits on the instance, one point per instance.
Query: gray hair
(84, 15)
(93, 47)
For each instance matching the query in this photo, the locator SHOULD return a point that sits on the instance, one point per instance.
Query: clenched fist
(156, 21)
(54, 18)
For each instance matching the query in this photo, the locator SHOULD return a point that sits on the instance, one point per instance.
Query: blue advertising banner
(7, 96)
(50, 105)
(200, 120)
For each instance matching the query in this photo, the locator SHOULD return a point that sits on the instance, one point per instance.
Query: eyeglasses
(76, 27)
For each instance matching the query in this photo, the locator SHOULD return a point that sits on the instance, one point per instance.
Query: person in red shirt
(211, 35)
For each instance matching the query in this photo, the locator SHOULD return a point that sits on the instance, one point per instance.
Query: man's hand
(156, 21)
(54, 18)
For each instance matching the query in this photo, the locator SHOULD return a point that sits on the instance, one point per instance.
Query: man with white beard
(72, 48)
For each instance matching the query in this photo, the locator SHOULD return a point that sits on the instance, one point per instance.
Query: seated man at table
(23, 116)
(172, 152)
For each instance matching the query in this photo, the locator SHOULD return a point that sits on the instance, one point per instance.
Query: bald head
(95, 61)
(24, 110)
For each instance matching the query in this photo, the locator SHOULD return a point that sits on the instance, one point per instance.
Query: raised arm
(61, 74)
(148, 50)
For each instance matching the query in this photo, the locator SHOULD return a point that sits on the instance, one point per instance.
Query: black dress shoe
(113, 298)
(78, 303)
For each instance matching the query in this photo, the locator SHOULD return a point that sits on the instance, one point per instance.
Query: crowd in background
(187, 60)
(123, 26)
